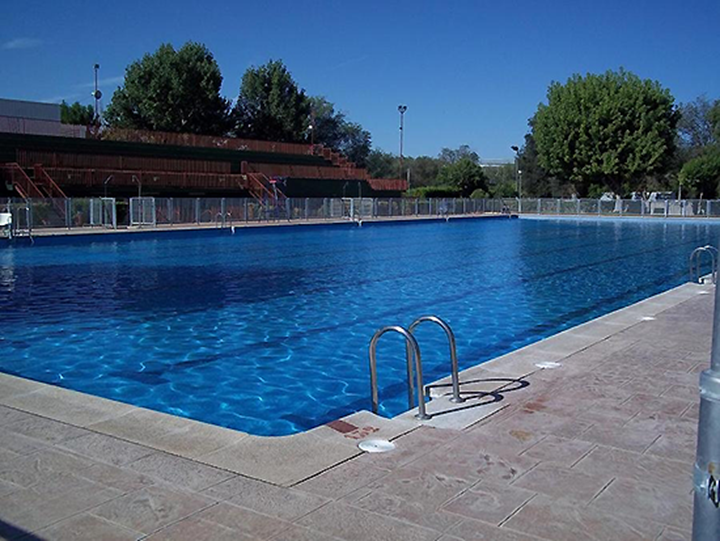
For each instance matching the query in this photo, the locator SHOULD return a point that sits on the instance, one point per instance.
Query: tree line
(179, 91)
(611, 132)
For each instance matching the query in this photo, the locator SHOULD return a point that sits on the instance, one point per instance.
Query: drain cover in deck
(376, 446)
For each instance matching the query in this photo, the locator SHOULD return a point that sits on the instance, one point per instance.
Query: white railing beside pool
(150, 212)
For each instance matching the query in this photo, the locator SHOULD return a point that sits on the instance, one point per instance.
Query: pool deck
(597, 442)
(209, 226)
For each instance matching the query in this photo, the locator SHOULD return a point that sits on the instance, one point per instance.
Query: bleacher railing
(96, 212)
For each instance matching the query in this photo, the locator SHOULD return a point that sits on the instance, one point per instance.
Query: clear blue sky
(471, 72)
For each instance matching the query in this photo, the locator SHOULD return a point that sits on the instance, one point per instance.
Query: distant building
(33, 110)
(496, 163)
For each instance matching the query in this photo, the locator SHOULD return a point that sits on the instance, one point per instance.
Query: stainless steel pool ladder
(223, 216)
(696, 263)
(454, 372)
(412, 350)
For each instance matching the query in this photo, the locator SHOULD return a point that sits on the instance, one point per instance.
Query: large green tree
(613, 129)
(699, 123)
(381, 164)
(464, 174)
(270, 106)
(701, 175)
(82, 115)
(332, 129)
(172, 90)
(423, 170)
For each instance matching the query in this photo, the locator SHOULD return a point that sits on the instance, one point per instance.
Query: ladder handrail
(411, 344)
(695, 263)
(454, 371)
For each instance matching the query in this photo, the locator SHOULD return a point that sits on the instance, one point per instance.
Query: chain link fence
(149, 212)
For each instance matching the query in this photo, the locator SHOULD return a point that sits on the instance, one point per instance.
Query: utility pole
(401, 110)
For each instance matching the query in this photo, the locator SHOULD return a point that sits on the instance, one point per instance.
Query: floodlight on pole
(97, 94)
(401, 110)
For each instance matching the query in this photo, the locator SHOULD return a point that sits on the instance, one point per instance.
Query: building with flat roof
(33, 110)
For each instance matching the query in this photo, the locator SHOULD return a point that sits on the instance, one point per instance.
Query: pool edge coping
(289, 460)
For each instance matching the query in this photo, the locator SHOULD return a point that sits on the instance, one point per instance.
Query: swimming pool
(266, 331)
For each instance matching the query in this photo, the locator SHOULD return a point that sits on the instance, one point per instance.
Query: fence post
(577, 207)
(683, 207)
(68, 210)
(287, 208)
(558, 206)
(417, 206)
(170, 211)
(307, 208)
(709, 209)
(667, 205)
(325, 208)
(222, 210)
(197, 210)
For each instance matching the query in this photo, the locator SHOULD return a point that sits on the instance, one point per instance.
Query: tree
(82, 115)
(424, 170)
(699, 124)
(701, 175)
(356, 143)
(382, 164)
(174, 91)
(612, 129)
(535, 180)
(332, 129)
(271, 106)
(453, 155)
(464, 174)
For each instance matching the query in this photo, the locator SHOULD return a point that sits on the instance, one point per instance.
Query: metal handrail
(454, 371)
(695, 263)
(412, 345)
(223, 217)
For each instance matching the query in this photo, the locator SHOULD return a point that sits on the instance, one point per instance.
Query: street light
(517, 171)
(96, 93)
(518, 176)
(401, 110)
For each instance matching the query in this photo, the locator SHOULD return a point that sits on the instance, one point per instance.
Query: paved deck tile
(279, 502)
(354, 524)
(151, 508)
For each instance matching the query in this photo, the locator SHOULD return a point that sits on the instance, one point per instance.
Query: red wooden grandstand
(125, 162)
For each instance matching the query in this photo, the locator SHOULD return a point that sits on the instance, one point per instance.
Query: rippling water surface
(267, 330)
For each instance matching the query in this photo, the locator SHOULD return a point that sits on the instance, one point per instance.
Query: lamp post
(517, 170)
(312, 130)
(96, 93)
(518, 176)
(401, 110)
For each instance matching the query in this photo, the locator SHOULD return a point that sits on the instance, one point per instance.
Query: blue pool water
(267, 330)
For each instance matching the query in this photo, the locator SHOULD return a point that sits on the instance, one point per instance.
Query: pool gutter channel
(288, 460)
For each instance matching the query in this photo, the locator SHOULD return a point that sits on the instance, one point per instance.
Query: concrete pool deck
(210, 226)
(584, 446)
